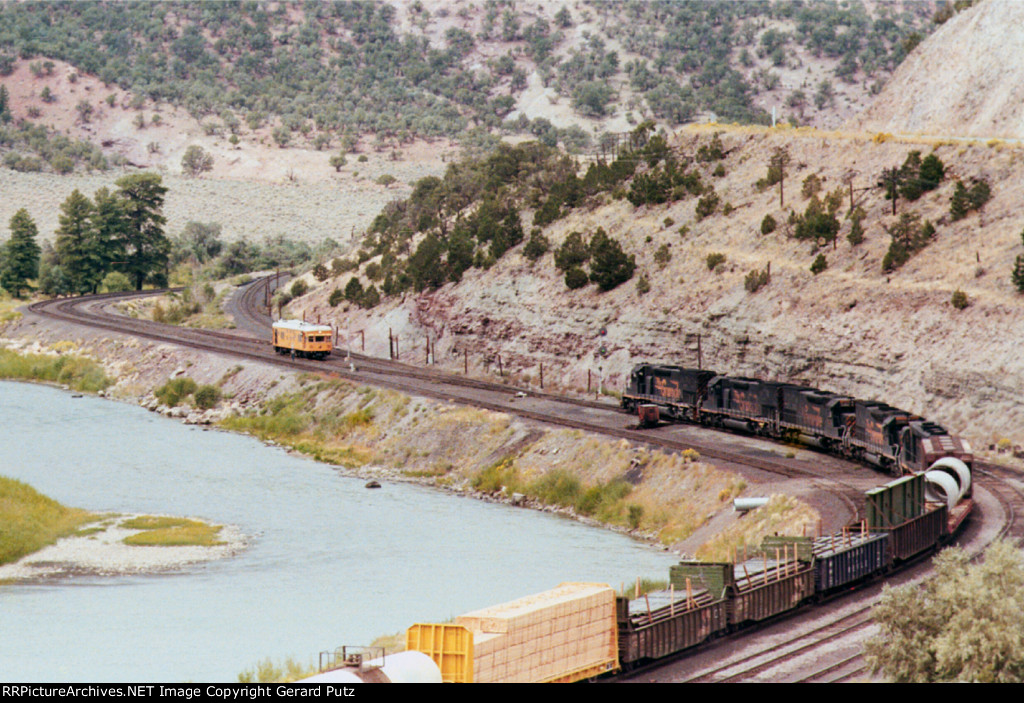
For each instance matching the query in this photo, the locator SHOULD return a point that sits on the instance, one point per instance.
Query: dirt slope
(852, 329)
(965, 80)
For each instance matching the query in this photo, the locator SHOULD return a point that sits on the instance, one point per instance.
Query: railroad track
(1004, 484)
(830, 651)
(574, 413)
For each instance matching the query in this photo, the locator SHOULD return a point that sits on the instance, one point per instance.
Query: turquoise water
(330, 562)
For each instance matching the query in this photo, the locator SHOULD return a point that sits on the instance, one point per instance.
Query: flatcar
(302, 339)
(885, 437)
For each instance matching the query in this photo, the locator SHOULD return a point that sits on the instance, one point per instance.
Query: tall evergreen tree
(78, 257)
(147, 249)
(107, 227)
(21, 260)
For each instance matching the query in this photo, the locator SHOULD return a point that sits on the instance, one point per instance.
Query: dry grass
(30, 521)
(783, 515)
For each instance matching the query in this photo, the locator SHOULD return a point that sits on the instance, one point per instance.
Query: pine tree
(609, 265)
(107, 227)
(21, 255)
(1018, 273)
(77, 256)
(958, 204)
(147, 249)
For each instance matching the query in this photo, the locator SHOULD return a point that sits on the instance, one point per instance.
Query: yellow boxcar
(302, 339)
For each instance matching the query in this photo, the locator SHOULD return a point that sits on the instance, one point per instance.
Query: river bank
(667, 499)
(327, 562)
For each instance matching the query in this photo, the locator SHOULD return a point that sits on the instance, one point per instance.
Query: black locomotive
(888, 438)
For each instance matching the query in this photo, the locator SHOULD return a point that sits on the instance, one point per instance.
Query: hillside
(966, 80)
(852, 328)
(173, 77)
(316, 76)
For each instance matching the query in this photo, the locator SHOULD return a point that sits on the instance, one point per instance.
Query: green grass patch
(75, 372)
(30, 521)
(158, 531)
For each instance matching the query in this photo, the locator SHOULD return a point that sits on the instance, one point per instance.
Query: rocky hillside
(852, 328)
(965, 80)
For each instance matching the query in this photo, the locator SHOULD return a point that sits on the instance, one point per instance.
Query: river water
(329, 562)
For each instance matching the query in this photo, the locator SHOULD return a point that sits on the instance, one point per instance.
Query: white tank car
(403, 667)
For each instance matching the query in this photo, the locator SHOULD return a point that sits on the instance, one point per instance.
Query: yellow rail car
(302, 339)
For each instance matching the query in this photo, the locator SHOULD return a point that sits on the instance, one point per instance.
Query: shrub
(908, 237)
(336, 296)
(206, 396)
(811, 186)
(609, 265)
(856, 235)
(662, 256)
(175, 391)
(1017, 276)
(707, 205)
(819, 265)
(643, 286)
(573, 253)
(755, 280)
(576, 277)
(354, 290)
(537, 246)
(768, 224)
(116, 282)
(714, 260)
(371, 297)
(321, 273)
(960, 300)
(299, 288)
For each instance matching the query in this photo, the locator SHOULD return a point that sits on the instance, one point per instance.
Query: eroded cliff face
(852, 328)
(966, 79)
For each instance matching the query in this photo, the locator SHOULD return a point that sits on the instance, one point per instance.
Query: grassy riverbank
(76, 372)
(30, 521)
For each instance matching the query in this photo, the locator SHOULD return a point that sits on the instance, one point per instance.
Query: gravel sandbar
(104, 553)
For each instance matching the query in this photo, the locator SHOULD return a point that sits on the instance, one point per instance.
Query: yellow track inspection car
(302, 339)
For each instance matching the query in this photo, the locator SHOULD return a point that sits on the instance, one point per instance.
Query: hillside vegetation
(777, 274)
(321, 75)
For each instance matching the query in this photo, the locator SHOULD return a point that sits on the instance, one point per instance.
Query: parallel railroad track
(1004, 484)
(590, 416)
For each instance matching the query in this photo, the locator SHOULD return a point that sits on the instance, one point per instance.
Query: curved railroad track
(587, 415)
(826, 644)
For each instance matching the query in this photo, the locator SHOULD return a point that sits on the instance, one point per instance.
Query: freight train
(871, 432)
(581, 631)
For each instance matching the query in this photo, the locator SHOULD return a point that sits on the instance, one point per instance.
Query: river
(329, 563)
